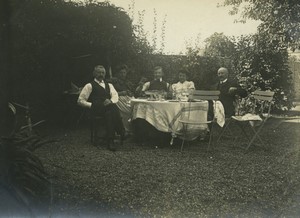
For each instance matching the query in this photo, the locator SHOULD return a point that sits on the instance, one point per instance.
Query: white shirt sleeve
(113, 93)
(191, 85)
(84, 96)
(146, 86)
(87, 90)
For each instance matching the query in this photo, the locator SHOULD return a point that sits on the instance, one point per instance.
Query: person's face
(122, 74)
(222, 74)
(182, 77)
(99, 73)
(158, 74)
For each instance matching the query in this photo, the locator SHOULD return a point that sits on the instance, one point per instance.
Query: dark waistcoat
(97, 97)
(158, 85)
(99, 93)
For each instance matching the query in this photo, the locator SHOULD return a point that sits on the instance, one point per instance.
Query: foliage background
(54, 43)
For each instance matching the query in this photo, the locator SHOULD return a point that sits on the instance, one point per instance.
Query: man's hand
(107, 102)
(232, 90)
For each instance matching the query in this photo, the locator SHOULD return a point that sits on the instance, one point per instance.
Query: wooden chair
(255, 119)
(186, 120)
(205, 95)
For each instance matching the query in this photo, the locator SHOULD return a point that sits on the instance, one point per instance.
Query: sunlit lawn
(159, 180)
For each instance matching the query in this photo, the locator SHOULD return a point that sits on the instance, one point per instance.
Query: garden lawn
(160, 181)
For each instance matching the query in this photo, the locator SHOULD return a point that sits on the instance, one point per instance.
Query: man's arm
(84, 96)
(113, 93)
(236, 89)
(146, 86)
(191, 85)
(172, 87)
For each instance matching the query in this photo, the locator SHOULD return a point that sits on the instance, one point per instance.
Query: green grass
(160, 181)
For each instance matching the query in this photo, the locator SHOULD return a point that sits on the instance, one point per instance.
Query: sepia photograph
(149, 108)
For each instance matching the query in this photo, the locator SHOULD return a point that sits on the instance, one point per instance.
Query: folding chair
(225, 130)
(256, 119)
(187, 120)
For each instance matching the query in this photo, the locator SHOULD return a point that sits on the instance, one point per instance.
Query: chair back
(188, 109)
(205, 95)
(192, 119)
(264, 100)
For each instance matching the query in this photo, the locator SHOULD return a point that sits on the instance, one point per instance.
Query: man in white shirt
(101, 97)
(157, 83)
(183, 86)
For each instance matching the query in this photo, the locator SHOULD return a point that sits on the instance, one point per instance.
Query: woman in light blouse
(183, 86)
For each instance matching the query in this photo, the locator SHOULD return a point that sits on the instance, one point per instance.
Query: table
(165, 115)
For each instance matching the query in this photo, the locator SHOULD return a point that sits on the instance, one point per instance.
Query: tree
(280, 18)
(55, 42)
(263, 57)
(262, 65)
(219, 45)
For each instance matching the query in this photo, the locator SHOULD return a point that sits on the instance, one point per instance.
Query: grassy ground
(153, 180)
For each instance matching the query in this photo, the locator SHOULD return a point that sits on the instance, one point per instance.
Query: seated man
(228, 91)
(183, 86)
(101, 97)
(125, 92)
(157, 83)
(143, 130)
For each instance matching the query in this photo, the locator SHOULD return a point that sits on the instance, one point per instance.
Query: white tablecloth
(164, 115)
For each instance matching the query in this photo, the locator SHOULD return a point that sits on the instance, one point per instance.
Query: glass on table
(162, 96)
(184, 96)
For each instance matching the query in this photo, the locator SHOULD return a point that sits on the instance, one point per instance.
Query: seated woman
(183, 86)
(124, 89)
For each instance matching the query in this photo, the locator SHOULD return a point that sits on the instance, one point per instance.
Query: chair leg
(243, 130)
(182, 145)
(254, 137)
(184, 135)
(210, 135)
(92, 132)
(258, 137)
(223, 130)
(241, 126)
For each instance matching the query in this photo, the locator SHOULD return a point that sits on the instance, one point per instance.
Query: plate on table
(151, 99)
(197, 100)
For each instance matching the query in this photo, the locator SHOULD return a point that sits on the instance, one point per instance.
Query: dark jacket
(227, 98)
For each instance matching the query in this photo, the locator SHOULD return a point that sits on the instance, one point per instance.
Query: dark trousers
(210, 113)
(112, 119)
